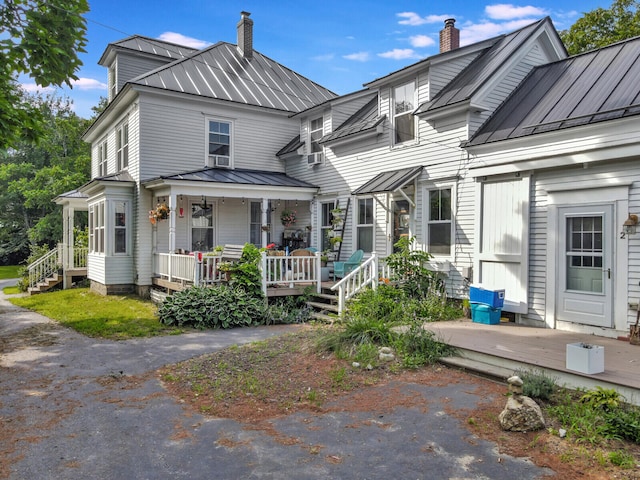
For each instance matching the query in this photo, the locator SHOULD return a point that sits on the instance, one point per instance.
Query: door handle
(608, 273)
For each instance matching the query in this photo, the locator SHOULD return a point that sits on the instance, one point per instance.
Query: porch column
(173, 205)
(68, 214)
(264, 219)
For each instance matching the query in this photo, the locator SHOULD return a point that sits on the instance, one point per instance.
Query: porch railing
(62, 256)
(184, 268)
(365, 275)
(289, 271)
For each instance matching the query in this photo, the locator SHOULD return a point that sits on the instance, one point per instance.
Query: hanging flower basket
(288, 217)
(161, 212)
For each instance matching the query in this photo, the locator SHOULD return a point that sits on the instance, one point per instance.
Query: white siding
(131, 66)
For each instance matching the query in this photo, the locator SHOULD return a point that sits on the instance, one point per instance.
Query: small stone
(355, 365)
(369, 367)
(386, 354)
(562, 433)
(521, 414)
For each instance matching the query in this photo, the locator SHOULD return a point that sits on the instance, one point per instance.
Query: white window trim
(426, 222)
(357, 224)
(122, 148)
(103, 156)
(311, 131)
(392, 108)
(214, 212)
(114, 227)
(322, 229)
(97, 217)
(207, 162)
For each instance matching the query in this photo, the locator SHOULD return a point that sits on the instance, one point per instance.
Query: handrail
(44, 267)
(366, 274)
(290, 270)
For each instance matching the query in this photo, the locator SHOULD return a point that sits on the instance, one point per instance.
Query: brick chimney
(449, 36)
(245, 35)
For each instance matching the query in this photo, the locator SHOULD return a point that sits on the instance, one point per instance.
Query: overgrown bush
(418, 347)
(246, 272)
(212, 307)
(537, 384)
(286, 310)
(409, 271)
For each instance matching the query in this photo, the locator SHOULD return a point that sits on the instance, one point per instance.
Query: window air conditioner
(314, 159)
(219, 161)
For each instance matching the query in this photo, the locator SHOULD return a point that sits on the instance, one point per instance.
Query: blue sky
(339, 44)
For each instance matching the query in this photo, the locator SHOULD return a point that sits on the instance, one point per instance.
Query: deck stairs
(324, 306)
(46, 284)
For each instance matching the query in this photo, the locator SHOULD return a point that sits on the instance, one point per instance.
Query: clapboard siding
(441, 73)
(131, 66)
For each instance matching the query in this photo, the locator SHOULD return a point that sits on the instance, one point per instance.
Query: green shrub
(419, 347)
(604, 398)
(409, 270)
(537, 384)
(624, 423)
(212, 307)
(246, 272)
(384, 303)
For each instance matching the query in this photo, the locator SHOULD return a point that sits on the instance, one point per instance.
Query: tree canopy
(602, 27)
(41, 39)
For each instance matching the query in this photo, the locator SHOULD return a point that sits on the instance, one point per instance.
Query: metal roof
(481, 69)
(238, 176)
(389, 181)
(363, 120)
(151, 46)
(585, 89)
(221, 72)
(291, 147)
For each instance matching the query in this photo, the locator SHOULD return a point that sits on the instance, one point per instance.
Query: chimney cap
(245, 14)
(449, 22)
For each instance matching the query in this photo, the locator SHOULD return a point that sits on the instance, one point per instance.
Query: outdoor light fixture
(629, 225)
(203, 203)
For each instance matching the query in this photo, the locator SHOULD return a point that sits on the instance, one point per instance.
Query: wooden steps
(324, 306)
(46, 285)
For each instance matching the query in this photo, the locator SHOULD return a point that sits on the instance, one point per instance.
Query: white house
(564, 149)
(228, 139)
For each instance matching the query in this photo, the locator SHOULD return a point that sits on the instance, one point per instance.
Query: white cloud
(180, 39)
(413, 19)
(476, 32)
(88, 84)
(506, 11)
(399, 54)
(350, 37)
(358, 56)
(419, 41)
(327, 57)
(35, 88)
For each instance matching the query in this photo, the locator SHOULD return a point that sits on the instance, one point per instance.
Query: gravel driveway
(73, 407)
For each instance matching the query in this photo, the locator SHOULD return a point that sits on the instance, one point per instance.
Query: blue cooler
(493, 298)
(482, 313)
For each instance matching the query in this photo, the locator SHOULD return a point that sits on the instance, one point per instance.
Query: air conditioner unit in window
(314, 159)
(219, 161)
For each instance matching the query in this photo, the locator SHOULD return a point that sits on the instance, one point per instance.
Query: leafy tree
(31, 175)
(602, 27)
(41, 39)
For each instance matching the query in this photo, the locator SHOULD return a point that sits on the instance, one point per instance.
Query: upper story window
(219, 142)
(113, 86)
(403, 105)
(315, 134)
(439, 224)
(102, 158)
(122, 146)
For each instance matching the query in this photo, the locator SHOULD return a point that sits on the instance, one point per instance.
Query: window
(113, 86)
(403, 105)
(102, 159)
(326, 226)
(120, 227)
(255, 224)
(364, 227)
(439, 222)
(219, 144)
(201, 228)
(96, 228)
(315, 134)
(122, 146)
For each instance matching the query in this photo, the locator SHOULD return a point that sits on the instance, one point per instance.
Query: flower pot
(585, 358)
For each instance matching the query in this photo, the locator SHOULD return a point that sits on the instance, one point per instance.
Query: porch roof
(237, 176)
(389, 181)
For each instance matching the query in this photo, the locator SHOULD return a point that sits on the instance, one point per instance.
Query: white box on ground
(585, 358)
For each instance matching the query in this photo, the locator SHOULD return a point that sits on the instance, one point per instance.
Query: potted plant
(226, 268)
(324, 258)
(335, 240)
(338, 212)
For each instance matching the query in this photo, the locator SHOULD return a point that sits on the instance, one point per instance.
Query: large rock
(521, 414)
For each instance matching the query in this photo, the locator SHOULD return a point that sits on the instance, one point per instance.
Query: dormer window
(219, 144)
(315, 134)
(113, 86)
(403, 120)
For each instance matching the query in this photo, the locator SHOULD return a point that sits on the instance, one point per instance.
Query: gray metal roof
(291, 147)
(473, 77)
(389, 181)
(585, 89)
(221, 72)
(152, 46)
(363, 120)
(238, 176)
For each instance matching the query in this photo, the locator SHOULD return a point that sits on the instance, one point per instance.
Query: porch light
(629, 225)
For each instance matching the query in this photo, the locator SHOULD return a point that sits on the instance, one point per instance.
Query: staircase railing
(363, 276)
(45, 266)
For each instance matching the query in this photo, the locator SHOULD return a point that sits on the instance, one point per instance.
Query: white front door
(585, 261)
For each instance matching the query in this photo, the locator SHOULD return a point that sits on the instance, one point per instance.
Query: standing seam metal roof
(580, 90)
(389, 181)
(221, 72)
(238, 176)
(153, 46)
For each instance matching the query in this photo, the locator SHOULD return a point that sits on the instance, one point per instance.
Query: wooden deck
(499, 350)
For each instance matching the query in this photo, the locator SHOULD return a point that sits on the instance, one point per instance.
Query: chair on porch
(341, 269)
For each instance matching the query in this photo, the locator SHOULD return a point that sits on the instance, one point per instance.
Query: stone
(386, 354)
(515, 385)
(521, 414)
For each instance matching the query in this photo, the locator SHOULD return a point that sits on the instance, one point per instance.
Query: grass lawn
(10, 271)
(10, 290)
(116, 317)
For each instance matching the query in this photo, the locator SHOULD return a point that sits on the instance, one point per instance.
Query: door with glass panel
(585, 265)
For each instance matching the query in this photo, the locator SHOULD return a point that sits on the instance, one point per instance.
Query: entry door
(401, 219)
(585, 265)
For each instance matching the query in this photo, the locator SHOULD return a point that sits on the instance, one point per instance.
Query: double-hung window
(326, 224)
(403, 106)
(219, 142)
(122, 147)
(255, 224)
(439, 223)
(96, 227)
(120, 227)
(364, 228)
(102, 158)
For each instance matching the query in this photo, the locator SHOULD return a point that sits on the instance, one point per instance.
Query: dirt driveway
(72, 407)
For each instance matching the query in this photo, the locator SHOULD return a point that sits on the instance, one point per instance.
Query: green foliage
(36, 251)
(622, 459)
(602, 27)
(42, 40)
(408, 268)
(212, 307)
(419, 347)
(286, 310)
(604, 398)
(537, 384)
(624, 423)
(246, 272)
(379, 304)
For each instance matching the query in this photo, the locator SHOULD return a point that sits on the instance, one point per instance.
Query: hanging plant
(288, 217)
(266, 228)
(161, 212)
